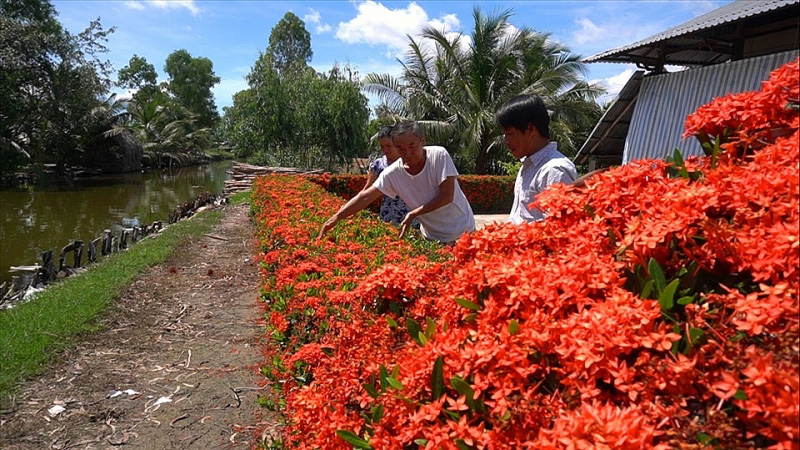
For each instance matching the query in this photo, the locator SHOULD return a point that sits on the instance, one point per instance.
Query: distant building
(730, 49)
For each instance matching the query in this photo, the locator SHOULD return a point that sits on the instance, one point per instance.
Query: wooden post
(77, 253)
(93, 249)
(63, 255)
(48, 268)
(16, 283)
(106, 242)
(123, 238)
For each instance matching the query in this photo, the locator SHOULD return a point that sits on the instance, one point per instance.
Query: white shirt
(444, 224)
(540, 170)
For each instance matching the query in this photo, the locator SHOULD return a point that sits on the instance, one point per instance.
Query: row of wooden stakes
(37, 276)
(47, 272)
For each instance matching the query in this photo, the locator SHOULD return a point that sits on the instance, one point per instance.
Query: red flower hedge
(485, 193)
(655, 308)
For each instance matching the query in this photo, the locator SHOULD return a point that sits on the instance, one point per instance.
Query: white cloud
(588, 31)
(164, 4)
(226, 88)
(375, 24)
(134, 5)
(590, 36)
(314, 17)
(700, 7)
(613, 85)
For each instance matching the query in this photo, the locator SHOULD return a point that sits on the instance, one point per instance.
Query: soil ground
(175, 365)
(183, 338)
(481, 220)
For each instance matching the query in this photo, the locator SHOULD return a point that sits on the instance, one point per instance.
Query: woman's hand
(407, 222)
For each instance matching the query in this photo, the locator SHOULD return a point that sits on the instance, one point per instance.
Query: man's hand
(330, 223)
(407, 223)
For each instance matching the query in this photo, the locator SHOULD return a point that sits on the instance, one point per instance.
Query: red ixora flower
(650, 310)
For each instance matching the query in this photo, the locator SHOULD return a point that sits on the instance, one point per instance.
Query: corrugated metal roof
(664, 101)
(732, 12)
(607, 139)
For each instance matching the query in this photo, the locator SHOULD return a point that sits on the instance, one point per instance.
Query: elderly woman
(393, 209)
(427, 181)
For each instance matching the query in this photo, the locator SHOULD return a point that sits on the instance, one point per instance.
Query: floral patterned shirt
(392, 209)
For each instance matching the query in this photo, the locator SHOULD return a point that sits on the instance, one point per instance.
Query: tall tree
(190, 83)
(454, 84)
(289, 44)
(293, 116)
(50, 82)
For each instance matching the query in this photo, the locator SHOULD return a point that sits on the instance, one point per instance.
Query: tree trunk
(482, 160)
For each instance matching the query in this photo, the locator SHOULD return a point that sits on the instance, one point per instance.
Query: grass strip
(33, 332)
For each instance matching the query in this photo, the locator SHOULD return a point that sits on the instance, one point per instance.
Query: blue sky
(369, 35)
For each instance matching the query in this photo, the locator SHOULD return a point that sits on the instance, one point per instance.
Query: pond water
(49, 217)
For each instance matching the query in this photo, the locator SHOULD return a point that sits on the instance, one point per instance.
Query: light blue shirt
(538, 172)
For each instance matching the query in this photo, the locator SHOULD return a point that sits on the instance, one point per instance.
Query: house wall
(665, 101)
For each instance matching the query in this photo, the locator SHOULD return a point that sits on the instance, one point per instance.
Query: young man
(526, 129)
(427, 181)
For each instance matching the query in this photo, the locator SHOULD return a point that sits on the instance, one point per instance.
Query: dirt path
(183, 339)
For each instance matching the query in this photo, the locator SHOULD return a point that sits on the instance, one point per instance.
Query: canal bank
(171, 361)
(50, 216)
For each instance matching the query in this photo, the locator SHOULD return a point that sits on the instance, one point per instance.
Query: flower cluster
(485, 193)
(656, 307)
(751, 119)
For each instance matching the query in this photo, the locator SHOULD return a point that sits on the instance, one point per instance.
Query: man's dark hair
(522, 110)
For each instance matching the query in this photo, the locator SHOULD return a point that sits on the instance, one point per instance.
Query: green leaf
(391, 322)
(462, 387)
(371, 390)
(384, 375)
(612, 238)
(675, 345)
(704, 438)
(685, 300)
(395, 371)
(430, 327)
(469, 318)
(647, 289)
(377, 414)
(656, 274)
(422, 339)
(740, 395)
(413, 329)
(680, 164)
(394, 383)
(462, 445)
(695, 334)
(453, 415)
(353, 439)
(327, 350)
(513, 327)
(437, 378)
(467, 304)
(421, 442)
(666, 299)
(506, 416)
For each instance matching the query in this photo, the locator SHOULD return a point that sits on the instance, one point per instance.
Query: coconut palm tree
(453, 83)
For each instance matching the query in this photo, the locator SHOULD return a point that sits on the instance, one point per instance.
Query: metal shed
(730, 49)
